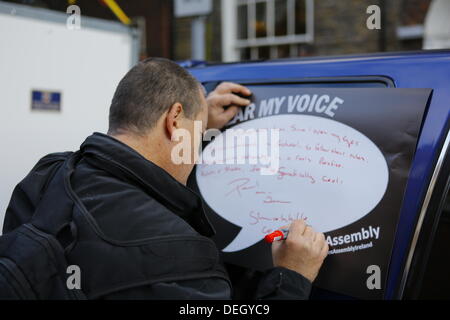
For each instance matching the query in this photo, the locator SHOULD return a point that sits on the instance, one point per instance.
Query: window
(268, 29)
(334, 82)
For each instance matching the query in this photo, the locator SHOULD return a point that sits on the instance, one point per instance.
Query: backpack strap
(54, 213)
(27, 194)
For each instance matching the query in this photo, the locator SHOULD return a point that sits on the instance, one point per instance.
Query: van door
(335, 152)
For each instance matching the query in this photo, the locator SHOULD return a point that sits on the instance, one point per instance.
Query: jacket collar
(110, 154)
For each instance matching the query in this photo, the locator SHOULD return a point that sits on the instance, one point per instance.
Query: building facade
(264, 29)
(268, 29)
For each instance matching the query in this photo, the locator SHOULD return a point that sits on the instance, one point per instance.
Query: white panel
(437, 25)
(84, 65)
(229, 31)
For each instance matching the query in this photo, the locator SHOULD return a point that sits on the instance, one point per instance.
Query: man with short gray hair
(138, 232)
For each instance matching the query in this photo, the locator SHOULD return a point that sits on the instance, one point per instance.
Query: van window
(335, 82)
(333, 85)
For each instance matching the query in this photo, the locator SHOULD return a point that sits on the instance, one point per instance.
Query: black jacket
(126, 200)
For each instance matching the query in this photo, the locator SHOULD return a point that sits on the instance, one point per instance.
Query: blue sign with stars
(45, 100)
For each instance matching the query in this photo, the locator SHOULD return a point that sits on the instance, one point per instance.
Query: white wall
(437, 25)
(85, 65)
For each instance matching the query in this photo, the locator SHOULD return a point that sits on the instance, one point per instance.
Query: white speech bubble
(330, 174)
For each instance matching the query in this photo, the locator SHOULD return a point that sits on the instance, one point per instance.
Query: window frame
(271, 41)
(388, 82)
(427, 224)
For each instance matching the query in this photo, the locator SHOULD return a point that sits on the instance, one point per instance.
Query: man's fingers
(324, 251)
(297, 228)
(228, 87)
(229, 114)
(228, 99)
(276, 245)
(309, 232)
(232, 99)
(319, 236)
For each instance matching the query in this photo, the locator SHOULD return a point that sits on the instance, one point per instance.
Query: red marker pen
(277, 235)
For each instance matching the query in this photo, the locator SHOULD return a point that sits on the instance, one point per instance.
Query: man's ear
(173, 118)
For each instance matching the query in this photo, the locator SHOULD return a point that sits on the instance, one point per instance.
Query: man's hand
(224, 96)
(303, 250)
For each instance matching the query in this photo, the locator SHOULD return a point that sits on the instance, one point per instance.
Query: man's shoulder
(50, 159)
(122, 209)
(29, 191)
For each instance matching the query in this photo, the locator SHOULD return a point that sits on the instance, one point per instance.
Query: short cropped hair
(147, 91)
